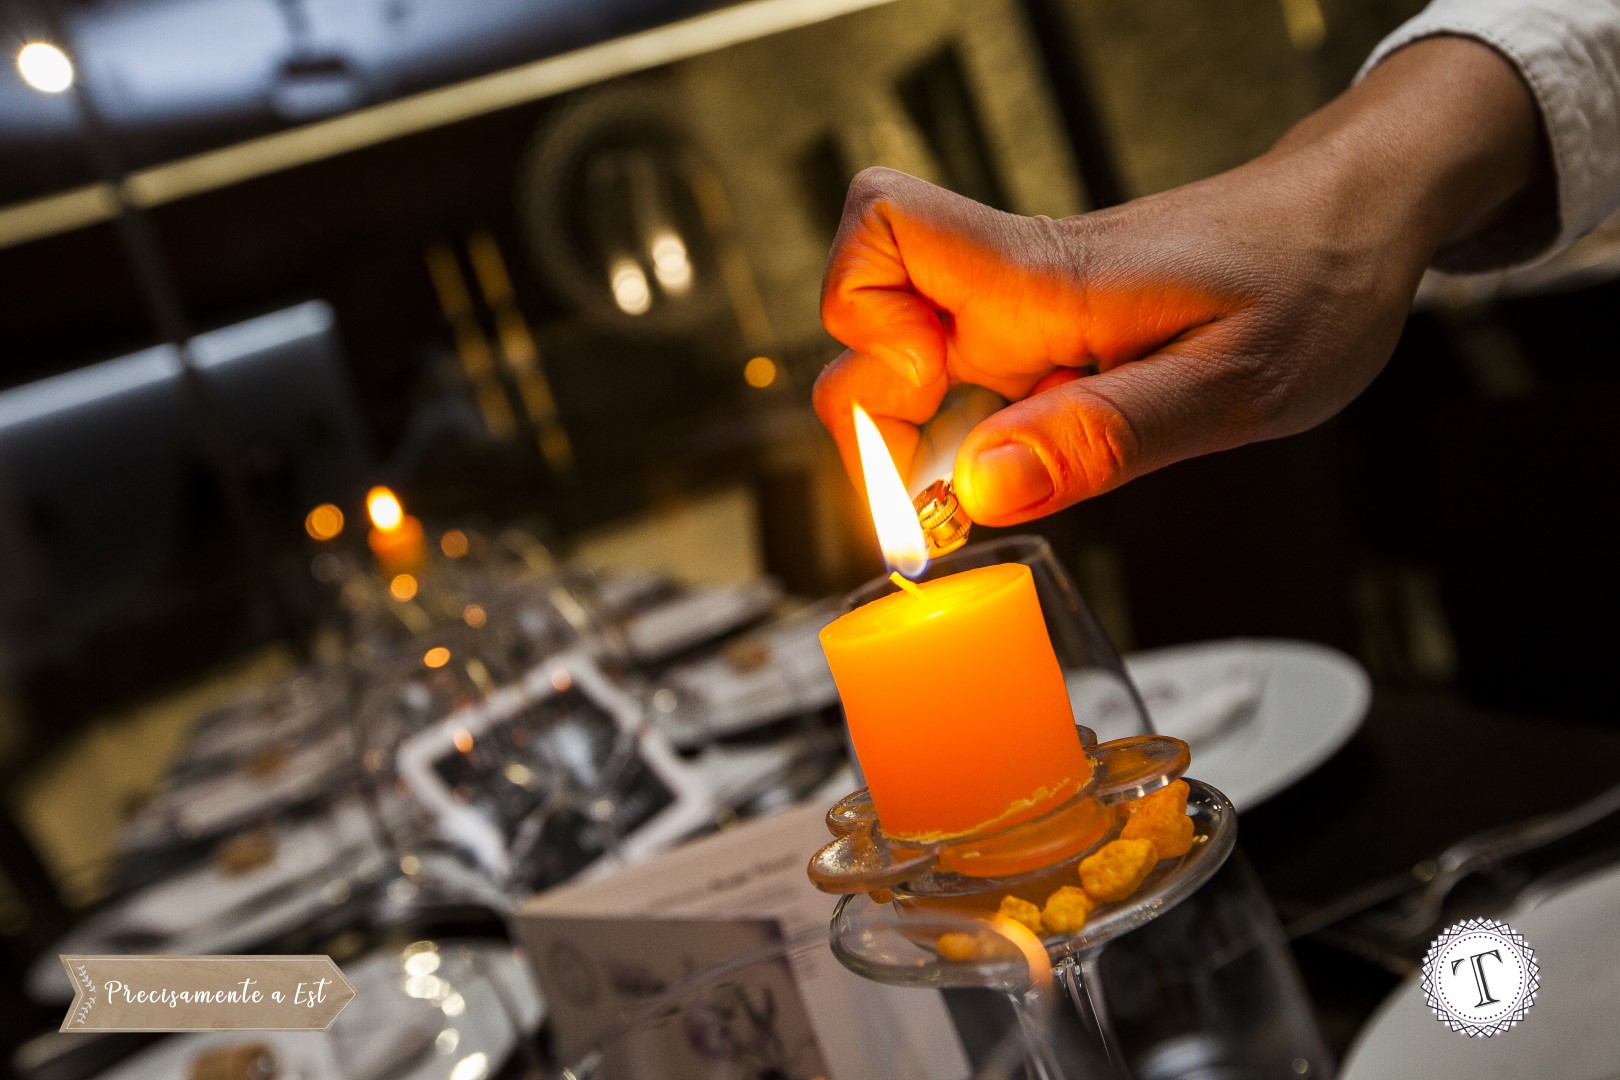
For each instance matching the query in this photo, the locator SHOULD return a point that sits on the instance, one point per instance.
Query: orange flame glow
(383, 506)
(900, 535)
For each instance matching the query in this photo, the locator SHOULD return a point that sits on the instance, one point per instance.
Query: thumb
(1089, 435)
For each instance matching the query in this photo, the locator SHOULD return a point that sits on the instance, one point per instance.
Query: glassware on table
(1196, 945)
(1190, 978)
(748, 1016)
(1208, 990)
(1127, 760)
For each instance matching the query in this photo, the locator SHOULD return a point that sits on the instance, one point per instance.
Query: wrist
(1434, 145)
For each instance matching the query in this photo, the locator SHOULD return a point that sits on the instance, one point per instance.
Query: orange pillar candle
(956, 704)
(955, 701)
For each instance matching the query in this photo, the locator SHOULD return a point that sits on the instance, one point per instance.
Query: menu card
(642, 927)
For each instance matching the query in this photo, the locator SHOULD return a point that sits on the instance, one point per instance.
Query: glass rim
(1029, 546)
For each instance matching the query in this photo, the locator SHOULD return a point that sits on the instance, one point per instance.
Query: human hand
(1248, 306)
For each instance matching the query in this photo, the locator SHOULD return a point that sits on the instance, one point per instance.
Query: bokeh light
(453, 543)
(759, 372)
(324, 522)
(631, 290)
(671, 266)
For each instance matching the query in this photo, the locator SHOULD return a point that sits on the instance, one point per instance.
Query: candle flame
(384, 509)
(899, 533)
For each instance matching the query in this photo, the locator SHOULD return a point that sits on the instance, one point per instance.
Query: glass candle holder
(1189, 976)
(1101, 694)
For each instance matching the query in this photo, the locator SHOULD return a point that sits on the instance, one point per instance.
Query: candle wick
(909, 586)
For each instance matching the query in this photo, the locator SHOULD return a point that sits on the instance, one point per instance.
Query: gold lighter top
(944, 523)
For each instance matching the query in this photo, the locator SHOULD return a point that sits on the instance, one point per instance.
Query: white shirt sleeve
(1568, 52)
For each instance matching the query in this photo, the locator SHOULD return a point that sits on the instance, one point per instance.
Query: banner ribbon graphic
(204, 993)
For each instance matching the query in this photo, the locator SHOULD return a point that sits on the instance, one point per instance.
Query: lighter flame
(899, 532)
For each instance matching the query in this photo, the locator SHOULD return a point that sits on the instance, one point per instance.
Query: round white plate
(1569, 1033)
(711, 697)
(696, 616)
(1310, 701)
(204, 910)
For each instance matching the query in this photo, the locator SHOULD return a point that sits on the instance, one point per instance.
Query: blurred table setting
(511, 775)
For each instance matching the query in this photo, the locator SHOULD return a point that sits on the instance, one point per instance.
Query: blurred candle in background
(396, 538)
(955, 700)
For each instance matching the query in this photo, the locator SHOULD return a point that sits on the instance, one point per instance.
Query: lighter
(945, 524)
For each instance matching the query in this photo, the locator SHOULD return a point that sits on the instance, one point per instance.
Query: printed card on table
(716, 898)
(594, 973)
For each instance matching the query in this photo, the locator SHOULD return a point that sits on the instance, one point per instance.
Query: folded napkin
(775, 672)
(302, 852)
(697, 616)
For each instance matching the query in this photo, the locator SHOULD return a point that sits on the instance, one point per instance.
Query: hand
(1248, 306)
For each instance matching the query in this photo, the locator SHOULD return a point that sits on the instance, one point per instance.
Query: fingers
(893, 268)
(1085, 436)
(894, 402)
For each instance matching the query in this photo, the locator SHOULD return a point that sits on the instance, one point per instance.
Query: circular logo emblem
(1480, 977)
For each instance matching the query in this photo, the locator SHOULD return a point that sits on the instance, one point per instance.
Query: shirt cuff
(1568, 53)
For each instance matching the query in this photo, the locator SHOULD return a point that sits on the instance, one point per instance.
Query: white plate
(457, 1026)
(1312, 701)
(1570, 1032)
(699, 615)
(315, 863)
(712, 698)
(213, 805)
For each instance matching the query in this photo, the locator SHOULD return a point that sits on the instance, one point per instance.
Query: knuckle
(828, 392)
(837, 313)
(866, 207)
(872, 184)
